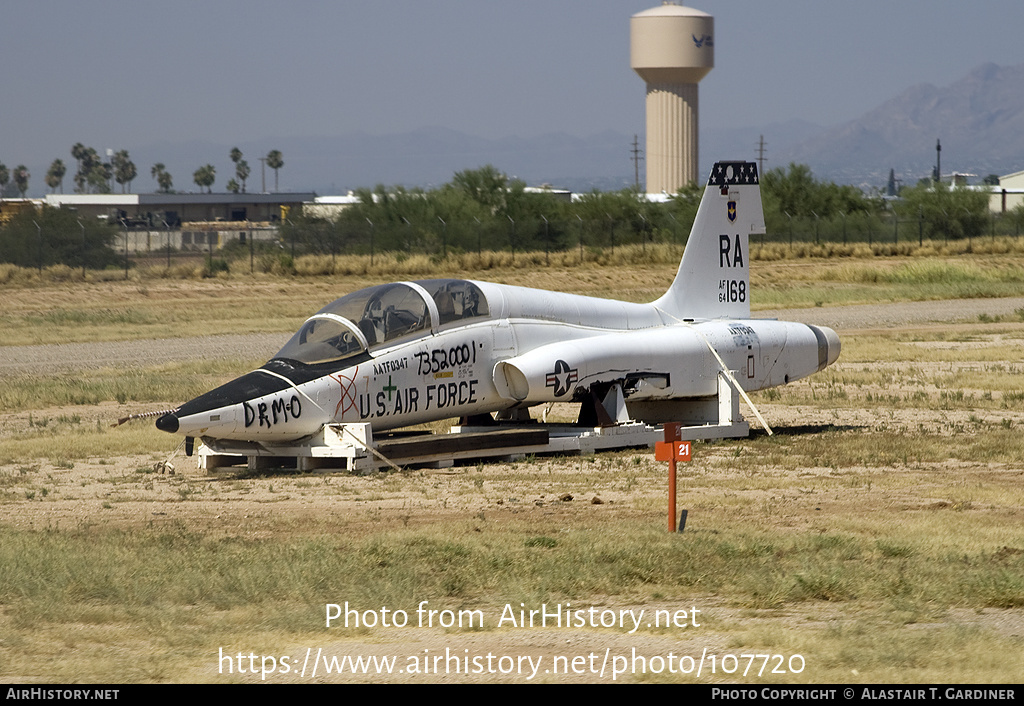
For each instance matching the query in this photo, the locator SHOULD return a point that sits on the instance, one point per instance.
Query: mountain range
(979, 120)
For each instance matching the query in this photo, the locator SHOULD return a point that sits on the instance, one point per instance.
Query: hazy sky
(119, 74)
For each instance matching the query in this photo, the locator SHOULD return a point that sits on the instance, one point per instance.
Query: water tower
(672, 48)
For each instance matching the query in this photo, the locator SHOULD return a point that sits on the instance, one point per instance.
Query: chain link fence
(89, 244)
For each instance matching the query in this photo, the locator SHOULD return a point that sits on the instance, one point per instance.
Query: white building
(1009, 194)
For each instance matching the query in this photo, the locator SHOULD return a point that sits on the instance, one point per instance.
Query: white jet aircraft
(412, 352)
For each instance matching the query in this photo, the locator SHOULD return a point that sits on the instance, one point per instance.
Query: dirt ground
(97, 478)
(142, 491)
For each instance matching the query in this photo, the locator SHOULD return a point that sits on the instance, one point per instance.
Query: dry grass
(849, 567)
(161, 304)
(877, 534)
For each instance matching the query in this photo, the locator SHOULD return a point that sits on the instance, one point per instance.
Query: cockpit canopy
(455, 299)
(380, 315)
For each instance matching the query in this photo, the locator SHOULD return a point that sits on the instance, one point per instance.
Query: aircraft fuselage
(406, 353)
(492, 365)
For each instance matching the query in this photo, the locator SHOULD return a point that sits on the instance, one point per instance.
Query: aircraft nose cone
(168, 423)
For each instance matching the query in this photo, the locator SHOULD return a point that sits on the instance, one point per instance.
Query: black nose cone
(168, 423)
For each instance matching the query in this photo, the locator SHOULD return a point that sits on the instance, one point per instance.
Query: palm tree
(21, 177)
(242, 171)
(275, 162)
(124, 169)
(5, 176)
(55, 175)
(204, 176)
(88, 163)
(163, 178)
(99, 177)
(236, 155)
(78, 152)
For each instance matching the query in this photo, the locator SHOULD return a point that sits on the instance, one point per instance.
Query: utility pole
(760, 155)
(637, 158)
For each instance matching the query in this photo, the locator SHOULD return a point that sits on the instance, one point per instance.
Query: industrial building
(156, 209)
(186, 221)
(1009, 194)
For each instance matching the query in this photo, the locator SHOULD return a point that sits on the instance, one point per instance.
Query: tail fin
(713, 281)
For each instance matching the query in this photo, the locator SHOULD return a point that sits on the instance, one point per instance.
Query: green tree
(275, 162)
(21, 177)
(163, 177)
(78, 152)
(681, 211)
(55, 175)
(99, 177)
(233, 186)
(58, 240)
(5, 176)
(90, 172)
(796, 192)
(1017, 217)
(486, 186)
(166, 182)
(613, 217)
(242, 172)
(204, 177)
(957, 212)
(792, 195)
(791, 191)
(484, 208)
(124, 169)
(504, 214)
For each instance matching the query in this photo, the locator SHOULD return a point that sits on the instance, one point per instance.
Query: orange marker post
(672, 450)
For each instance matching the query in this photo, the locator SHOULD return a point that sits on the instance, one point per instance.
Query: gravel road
(897, 314)
(63, 358)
